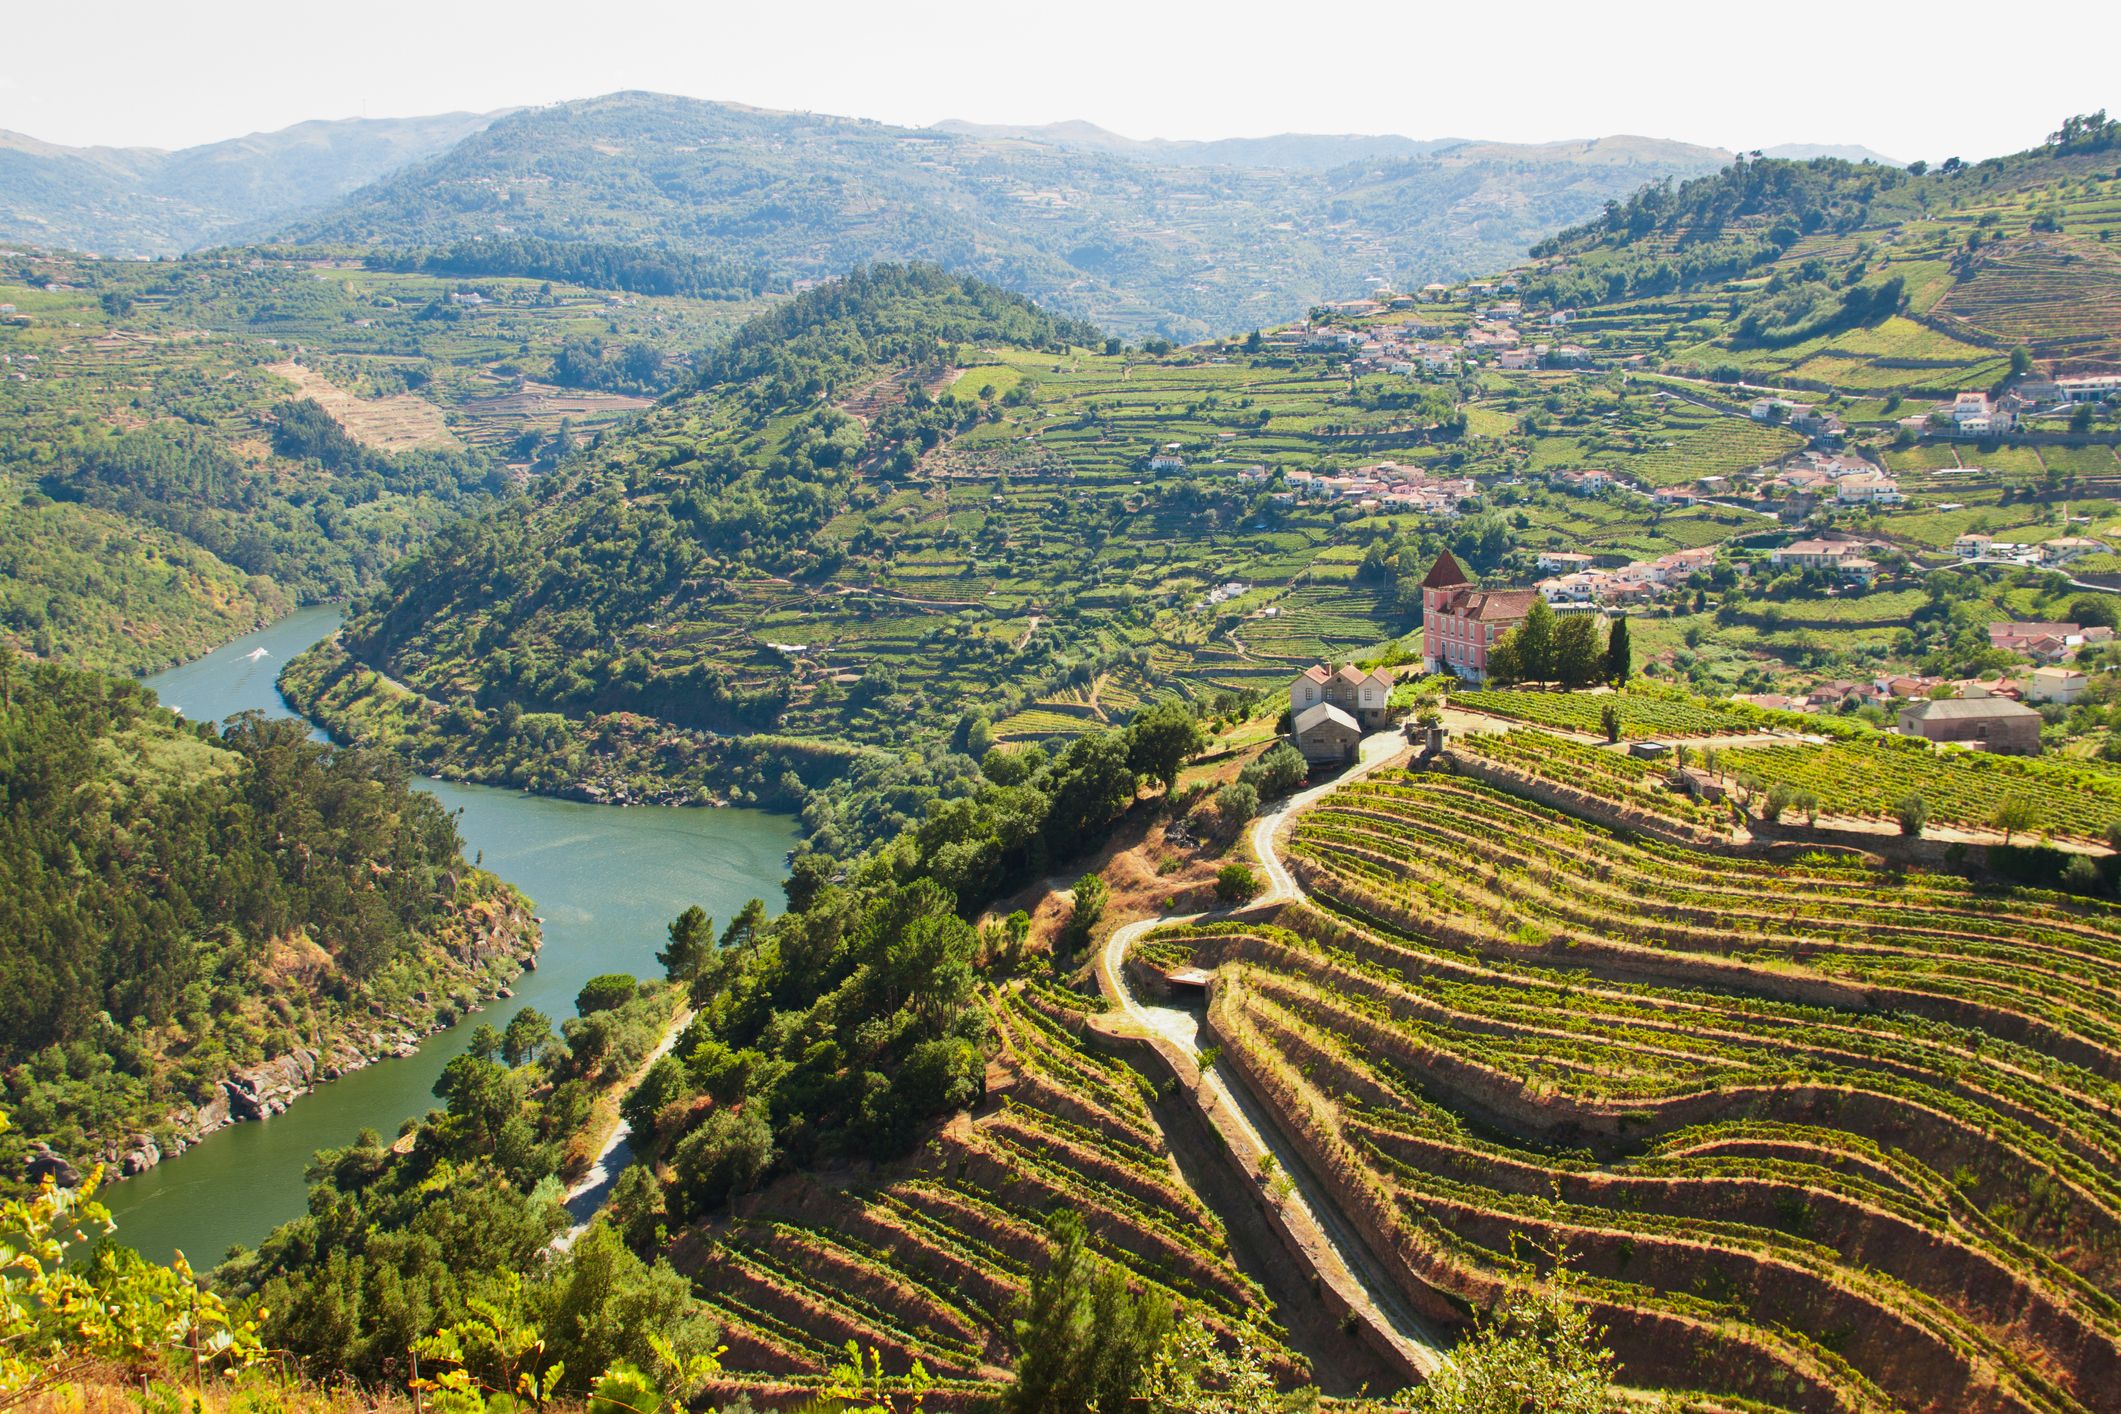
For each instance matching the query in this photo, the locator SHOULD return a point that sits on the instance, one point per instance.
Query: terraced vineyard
(1642, 714)
(1607, 777)
(930, 1263)
(1808, 1134)
(1866, 776)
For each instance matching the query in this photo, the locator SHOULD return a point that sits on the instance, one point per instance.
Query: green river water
(606, 880)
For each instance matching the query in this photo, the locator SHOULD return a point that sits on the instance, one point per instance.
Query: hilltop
(147, 201)
(1828, 274)
(1094, 227)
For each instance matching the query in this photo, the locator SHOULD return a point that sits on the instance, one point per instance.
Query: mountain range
(146, 201)
(1146, 238)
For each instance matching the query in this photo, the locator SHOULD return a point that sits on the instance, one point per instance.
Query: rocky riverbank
(490, 941)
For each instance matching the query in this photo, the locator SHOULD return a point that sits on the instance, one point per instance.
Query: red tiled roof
(1445, 573)
(1496, 605)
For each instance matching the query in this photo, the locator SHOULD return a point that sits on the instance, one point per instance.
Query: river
(606, 880)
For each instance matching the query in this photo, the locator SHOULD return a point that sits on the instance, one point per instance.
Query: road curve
(1343, 1260)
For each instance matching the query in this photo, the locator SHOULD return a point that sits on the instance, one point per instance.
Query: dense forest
(177, 902)
(603, 265)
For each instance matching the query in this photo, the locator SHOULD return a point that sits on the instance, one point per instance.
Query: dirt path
(1338, 1257)
(587, 1195)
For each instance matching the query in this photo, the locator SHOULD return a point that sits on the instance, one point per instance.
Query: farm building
(1994, 724)
(1363, 696)
(1325, 734)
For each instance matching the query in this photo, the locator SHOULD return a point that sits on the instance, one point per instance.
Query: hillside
(197, 926)
(1829, 275)
(1116, 235)
(1808, 1131)
(144, 201)
(195, 446)
(878, 538)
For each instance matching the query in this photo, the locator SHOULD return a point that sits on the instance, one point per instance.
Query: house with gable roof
(1461, 622)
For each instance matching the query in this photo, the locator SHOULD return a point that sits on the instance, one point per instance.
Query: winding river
(606, 880)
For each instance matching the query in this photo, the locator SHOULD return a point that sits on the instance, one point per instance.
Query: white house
(2064, 548)
(2095, 388)
(1868, 488)
(2056, 684)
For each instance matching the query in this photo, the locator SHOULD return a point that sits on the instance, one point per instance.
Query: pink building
(1461, 621)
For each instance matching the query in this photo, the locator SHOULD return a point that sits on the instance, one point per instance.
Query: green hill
(190, 447)
(1141, 240)
(195, 926)
(1828, 274)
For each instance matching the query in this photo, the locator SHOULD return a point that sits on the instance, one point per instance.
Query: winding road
(1342, 1260)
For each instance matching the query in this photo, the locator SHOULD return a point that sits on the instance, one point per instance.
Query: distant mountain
(1847, 152)
(1134, 236)
(1308, 152)
(141, 201)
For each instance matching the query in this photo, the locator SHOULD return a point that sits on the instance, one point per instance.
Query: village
(1332, 707)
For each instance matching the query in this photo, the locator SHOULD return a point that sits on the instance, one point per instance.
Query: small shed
(1326, 734)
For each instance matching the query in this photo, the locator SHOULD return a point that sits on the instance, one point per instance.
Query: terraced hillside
(929, 1261)
(1808, 1133)
(196, 446)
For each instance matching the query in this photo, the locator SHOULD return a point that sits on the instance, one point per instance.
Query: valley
(1396, 770)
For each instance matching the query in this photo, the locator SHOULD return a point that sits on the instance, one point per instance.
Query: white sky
(1909, 79)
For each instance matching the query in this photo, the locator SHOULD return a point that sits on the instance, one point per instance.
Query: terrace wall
(1274, 1254)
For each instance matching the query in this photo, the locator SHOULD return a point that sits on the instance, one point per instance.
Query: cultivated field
(1806, 1133)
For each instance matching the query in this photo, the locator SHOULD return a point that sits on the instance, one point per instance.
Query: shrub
(1913, 812)
(2081, 875)
(1235, 882)
(726, 1156)
(1277, 772)
(1236, 803)
(1090, 896)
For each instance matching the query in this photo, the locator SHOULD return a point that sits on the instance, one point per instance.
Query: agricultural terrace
(930, 1263)
(1610, 778)
(2020, 255)
(1811, 1134)
(1869, 776)
(1642, 714)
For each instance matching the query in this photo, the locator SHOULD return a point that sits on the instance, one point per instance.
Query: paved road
(1376, 749)
(1343, 1260)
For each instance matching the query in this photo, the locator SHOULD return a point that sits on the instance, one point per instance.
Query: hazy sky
(1908, 79)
